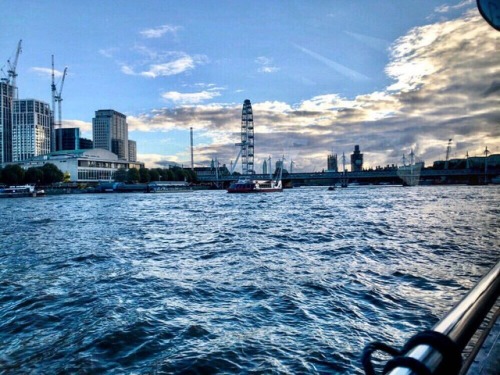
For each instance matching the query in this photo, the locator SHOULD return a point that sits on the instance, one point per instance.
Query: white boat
(169, 187)
(19, 191)
(249, 185)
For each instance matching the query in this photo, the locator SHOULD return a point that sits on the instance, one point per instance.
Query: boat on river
(169, 187)
(249, 185)
(20, 191)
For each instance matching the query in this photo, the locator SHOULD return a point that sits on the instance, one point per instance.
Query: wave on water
(211, 283)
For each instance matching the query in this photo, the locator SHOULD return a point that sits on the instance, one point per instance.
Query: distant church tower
(356, 160)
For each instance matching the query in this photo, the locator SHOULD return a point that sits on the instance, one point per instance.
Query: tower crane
(12, 68)
(448, 149)
(53, 128)
(58, 98)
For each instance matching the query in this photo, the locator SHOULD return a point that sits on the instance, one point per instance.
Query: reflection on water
(212, 282)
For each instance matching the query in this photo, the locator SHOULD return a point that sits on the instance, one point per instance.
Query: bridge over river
(390, 176)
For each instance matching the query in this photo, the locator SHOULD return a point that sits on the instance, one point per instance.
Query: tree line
(145, 175)
(14, 174)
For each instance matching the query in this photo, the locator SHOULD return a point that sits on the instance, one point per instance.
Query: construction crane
(58, 98)
(12, 69)
(448, 149)
(53, 91)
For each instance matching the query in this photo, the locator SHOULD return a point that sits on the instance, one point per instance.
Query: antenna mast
(448, 149)
(192, 157)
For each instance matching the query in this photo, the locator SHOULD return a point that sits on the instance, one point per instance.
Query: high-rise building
(110, 132)
(86, 144)
(132, 150)
(31, 130)
(6, 106)
(67, 139)
(356, 160)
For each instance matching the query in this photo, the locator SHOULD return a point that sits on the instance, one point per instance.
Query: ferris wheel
(247, 139)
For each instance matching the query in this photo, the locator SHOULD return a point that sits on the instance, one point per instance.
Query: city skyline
(321, 78)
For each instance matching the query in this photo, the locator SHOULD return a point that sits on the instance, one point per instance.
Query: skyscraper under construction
(6, 111)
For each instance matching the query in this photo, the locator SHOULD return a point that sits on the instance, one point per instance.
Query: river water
(210, 282)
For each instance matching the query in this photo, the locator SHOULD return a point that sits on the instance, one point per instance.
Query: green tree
(13, 174)
(190, 175)
(178, 173)
(51, 174)
(169, 174)
(144, 175)
(133, 175)
(33, 175)
(154, 175)
(120, 175)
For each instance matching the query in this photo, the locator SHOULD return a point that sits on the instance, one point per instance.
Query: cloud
(46, 72)
(158, 161)
(189, 98)
(266, 65)
(83, 125)
(447, 8)
(444, 85)
(108, 52)
(177, 63)
(158, 32)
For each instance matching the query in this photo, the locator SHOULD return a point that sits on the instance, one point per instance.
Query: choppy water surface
(209, 282)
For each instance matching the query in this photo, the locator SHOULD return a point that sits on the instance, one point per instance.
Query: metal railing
(460, 323)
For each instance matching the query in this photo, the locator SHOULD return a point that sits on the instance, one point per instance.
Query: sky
(322, 76)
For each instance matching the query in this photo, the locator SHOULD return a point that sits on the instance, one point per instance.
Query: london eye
(247, 139)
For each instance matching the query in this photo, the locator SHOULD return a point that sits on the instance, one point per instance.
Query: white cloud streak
(181, 64)
(345, 71)
(374, 43)
(447, 8)
(189, 98)
(266, 65)
(46, 72)
(158, 32)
